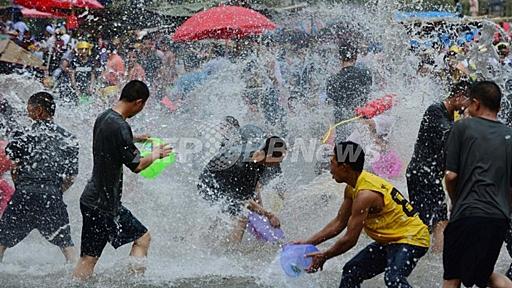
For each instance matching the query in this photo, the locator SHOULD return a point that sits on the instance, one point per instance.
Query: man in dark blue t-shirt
(46, 163)
(105, 219)
(348, 89)
(426, 169)
(234, 178)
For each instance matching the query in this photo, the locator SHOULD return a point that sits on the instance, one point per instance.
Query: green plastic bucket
(159, 165)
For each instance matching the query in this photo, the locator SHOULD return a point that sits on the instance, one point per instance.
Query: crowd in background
(281, 69)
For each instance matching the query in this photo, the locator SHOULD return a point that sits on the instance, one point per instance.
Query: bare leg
(139, 252)
(85, 267)
(438, 235)
(2, 251)
(69, 254)
(499, 281)
(238, 231)
(451, 283)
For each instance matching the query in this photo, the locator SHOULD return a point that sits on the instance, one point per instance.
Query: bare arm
(14, 173)
(67, 183)
(72, 77)
(450, 179)
(360, 208)
(141, 138)
(337, 225)
(158, 153)
(256, 207)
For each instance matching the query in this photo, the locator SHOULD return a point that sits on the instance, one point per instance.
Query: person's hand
(274, 221)
(161, 151)
(318, 262)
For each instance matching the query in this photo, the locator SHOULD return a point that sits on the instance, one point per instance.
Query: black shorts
(100, 228)
(31, 208)
(471, 248)
(427, 196)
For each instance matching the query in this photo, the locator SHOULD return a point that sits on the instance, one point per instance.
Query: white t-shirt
(21, 27)
(65, 38)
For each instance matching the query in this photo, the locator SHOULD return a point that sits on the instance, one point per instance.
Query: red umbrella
(45, 5)
(33, 13)
(223, 22)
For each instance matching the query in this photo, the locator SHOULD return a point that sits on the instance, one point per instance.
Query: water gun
(368, 111)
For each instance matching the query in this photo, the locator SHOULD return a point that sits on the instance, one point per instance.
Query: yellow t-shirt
(398, 222)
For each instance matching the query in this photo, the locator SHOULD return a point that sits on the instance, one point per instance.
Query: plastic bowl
(260, 227)
(293, 258)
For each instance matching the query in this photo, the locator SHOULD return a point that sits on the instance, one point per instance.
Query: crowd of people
(460, 141)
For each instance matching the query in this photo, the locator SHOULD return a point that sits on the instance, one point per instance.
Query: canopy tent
(424, 15)
(47, 5)
(12, 53)
(184, 9)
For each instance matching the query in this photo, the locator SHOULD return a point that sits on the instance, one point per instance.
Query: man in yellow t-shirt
(372, 203)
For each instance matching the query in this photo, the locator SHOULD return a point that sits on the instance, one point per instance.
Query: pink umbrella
(223, 22)
(33, 13)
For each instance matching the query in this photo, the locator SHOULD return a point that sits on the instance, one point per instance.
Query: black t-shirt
(112, 147)
(480, 152)
(349, 89)
(428, 157)
(44, 153)
(83, 73)
(232, 176)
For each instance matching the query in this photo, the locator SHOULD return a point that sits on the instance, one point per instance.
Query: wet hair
(43, 100)
(488, 93)
(134, 90)
(350, 153)
(347, 51)
(271, 144)
(460, 87)
(217, 51)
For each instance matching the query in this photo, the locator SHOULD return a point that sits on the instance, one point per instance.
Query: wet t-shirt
(349, 89)
(480, 152)
(83, 73)
(231, 177)
(113, 147)
(428, 157)
(45, 154)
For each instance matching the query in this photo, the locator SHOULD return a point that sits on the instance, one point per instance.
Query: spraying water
(188, 247)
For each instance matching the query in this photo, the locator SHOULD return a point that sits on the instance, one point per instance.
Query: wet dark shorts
(471, 248)
(99, 229)
(427, 197)
(32, 208)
